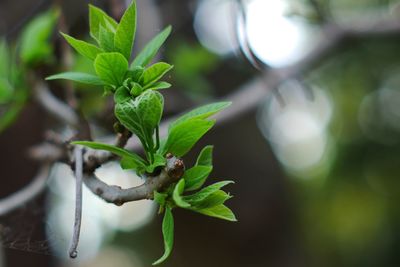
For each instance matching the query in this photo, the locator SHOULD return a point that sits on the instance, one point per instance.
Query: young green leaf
(111, 68)
(217, 198)
(196, 176)
(149, 106)
(202, 112)
(5, 61)
(205, 156)
(122, 95)
(106, 39)
(133, 158)
(126, 113)
(205, 193)
(182, 137)
(159, 85)
(35, 44)
(6, 91)
(159, 161)
(160, 198)
(168, 233)
(176, 195)
(125, 34)
(85, 49)
(77, 77)
(154, 73)
(151, 49)
(98, 17)
(220, 212)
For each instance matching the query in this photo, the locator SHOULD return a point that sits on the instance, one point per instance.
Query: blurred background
(312, 139)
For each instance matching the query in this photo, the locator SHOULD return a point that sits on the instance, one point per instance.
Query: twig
(118, 196)
(78, 202)
(55, 107)
(24, 195)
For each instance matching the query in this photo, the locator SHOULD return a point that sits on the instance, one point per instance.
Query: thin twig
(29, 192)
(55, 107)
(78, 202)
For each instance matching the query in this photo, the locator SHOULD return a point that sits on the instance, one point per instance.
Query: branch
(26, 194)
(118, 196)
(55, 107)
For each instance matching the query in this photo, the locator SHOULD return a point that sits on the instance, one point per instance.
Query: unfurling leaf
(205, 192)
(168, 234)
(176, 196)
(159, 161)
(141, 115)
(154, 73)
(196, 176)
(205, 156)
(151, 49)
(111, 68)
(77, 77)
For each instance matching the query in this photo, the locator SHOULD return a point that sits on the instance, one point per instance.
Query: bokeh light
(276, 38)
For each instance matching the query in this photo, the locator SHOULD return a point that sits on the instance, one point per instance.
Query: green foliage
(13, 93)
(85, 49)
(183, 136)
(139, 107)
(111, 68)
(168, 233)
(125, 33)
(77, 77)
(151, 49)
(35, 45)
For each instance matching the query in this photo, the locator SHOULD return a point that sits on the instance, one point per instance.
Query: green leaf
(168, 233)
(122, 95)
(160, 198)
(159, 85)
(205, 156)
(98, 17)
(196, 176)
(154, 73)
(159, 161)
(149, 107)
(77, 77)
(202, 112)
(85, 49)
(133, 158)
(35, 44)
(4, 58)
(111, 68)
(141, 115)
(220, 212)
(151, 49)
(125, 33)
(6, 91)
(176, 195)
(106, 39)
(205, 193)
(182, 137)
(217, 198)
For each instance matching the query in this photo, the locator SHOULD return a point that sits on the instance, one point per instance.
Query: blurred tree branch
(245, 98)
